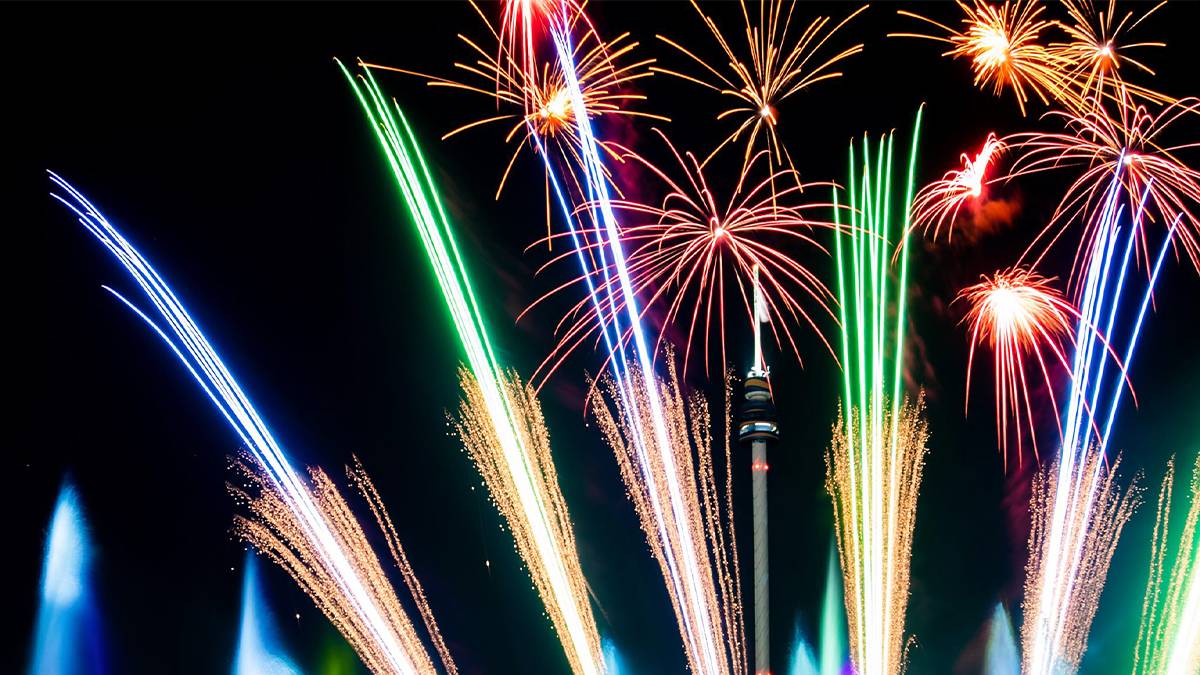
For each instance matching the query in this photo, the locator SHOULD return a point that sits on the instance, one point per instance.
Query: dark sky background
(222, 139)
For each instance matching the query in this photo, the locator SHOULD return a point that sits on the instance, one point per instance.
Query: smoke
(985, 217)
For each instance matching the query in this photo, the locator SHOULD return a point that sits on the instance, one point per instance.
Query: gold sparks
(781, 65)
(707, 498)
(475, 427)
(874, 481)
(273, 528)
(1169, 634)
(1058, 616)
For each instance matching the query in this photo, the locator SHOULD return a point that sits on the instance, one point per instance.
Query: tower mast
(758, 428)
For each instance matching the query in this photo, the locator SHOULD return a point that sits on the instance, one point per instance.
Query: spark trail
(604, 264)
(274, 530)
(874, 465)
(1078, 511)
(1169, 632)
(693, 437)
(511, 448)
(393, 638)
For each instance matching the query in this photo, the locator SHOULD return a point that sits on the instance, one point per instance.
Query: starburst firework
(781, 64)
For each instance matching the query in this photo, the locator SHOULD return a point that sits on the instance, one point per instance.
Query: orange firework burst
(1004, 45)
(1017, 312)
(1095, 50)
(537, 100)
(688, 252)
(780, 65)
(1127, 146)
(939, 203)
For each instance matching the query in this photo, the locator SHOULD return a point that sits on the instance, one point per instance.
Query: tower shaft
(762, 607)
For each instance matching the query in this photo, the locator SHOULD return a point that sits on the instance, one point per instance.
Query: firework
(536, 100)
(647, 422)
(1004, 45)
(708, 500)
(1078, 513)
(504, 438)
(479, 435)
(1098, 145)
(391, 640)
(278, 533)
(781, 64)
(1169, 633)
(939, 203)
(874, 465)
(687, 253)
(1096, 512)
(874, 485)
(1095, 49)
(1017, 313)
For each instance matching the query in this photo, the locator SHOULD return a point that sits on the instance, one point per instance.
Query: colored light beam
(1001, 656)
(874, 465)
(258, 648)
(1078, 511)
(400, 649)
(67, 638)
(524, 485)
(830, 655)
(679, 536)
(1169, 632)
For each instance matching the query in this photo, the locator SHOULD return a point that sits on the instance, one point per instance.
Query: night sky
(224, 142)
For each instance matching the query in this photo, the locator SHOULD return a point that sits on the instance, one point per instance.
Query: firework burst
(1127, 145)
(1017, 313)
(1095, 50)
(781, 64)
(1004, 44)
(707, 514)
(535, 102)
(689, 253)
(938, 204)
(1169, 633)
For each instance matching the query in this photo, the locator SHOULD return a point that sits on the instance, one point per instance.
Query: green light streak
(1169, 633)
(421, 196)
(872, 358)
